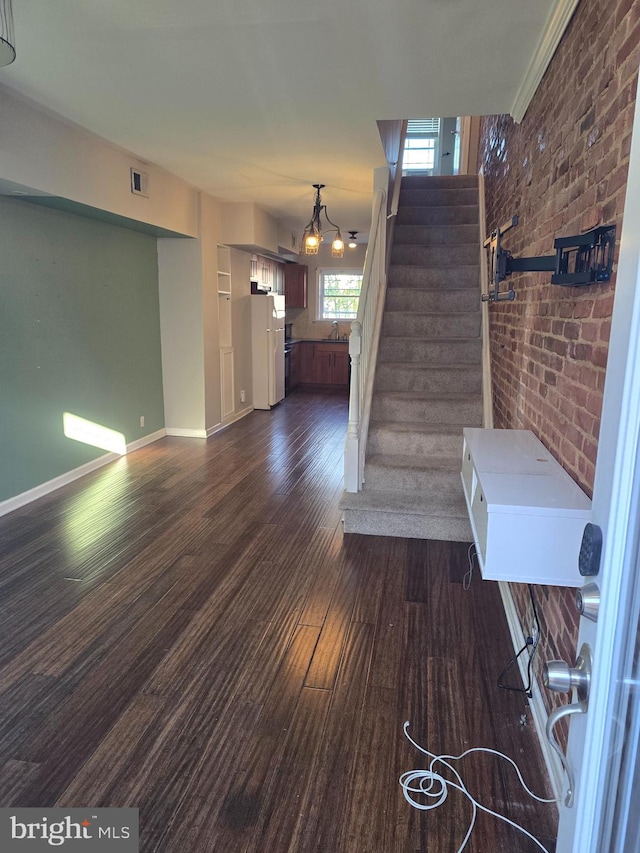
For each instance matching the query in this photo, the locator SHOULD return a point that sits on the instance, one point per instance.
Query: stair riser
(444, 483)
(436, 197)
(421, 182)
(389, 441)
(430, 352)
(451, 529)
(393, 377)
(462, 214)
(390, 408)
(447, 302)
(451, 278)
(403, 324)
(423, 235)
(435, 256)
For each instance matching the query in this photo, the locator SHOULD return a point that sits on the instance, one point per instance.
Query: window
(339, 294)
(421, 145)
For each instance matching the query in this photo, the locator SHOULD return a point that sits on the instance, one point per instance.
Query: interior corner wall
(80, 333)
(210, 226)
(180, 288)
(563, 170)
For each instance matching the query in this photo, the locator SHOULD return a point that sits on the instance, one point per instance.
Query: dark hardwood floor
(189, 632)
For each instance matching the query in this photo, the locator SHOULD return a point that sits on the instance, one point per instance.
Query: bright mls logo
(82, 830)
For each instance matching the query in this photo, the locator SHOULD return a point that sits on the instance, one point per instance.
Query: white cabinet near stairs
(526, 513)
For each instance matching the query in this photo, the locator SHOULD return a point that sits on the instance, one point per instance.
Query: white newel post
(352, 444)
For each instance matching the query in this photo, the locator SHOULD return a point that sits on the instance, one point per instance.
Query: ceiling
(256, 100)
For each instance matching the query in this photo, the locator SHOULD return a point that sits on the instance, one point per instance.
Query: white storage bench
(527, 514)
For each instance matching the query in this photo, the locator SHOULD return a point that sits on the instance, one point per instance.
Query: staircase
(428, 382)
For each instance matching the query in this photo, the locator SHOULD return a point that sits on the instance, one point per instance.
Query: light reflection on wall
(88, 432)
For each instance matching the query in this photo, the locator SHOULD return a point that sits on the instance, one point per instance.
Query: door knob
(588, 601)
(558, 675)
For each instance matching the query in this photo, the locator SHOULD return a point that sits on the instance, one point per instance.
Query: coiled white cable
(435, 787)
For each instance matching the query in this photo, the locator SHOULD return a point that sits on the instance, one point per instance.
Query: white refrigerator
(267, 344)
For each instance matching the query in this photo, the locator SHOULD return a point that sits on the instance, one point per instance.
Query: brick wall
(563, 170)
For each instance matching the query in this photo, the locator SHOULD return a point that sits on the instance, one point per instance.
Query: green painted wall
(79, 333)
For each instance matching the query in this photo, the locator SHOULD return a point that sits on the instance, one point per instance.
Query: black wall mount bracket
(580, 259)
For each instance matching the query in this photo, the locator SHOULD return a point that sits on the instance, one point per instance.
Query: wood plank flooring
(189, 632)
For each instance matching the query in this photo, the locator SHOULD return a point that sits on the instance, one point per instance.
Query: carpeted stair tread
(445, 396)
(418, 366)
(438, 326)
(461, 214)
(439, 181)
(399, 461)
(420, 427)
(413, 503)
(441, 276)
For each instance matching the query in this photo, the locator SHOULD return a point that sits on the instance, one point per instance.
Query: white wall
(52, 156)
(209, 238)
(180, 285)
(241, 327)
(246, 224)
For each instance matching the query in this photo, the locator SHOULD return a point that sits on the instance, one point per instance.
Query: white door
(603, 742)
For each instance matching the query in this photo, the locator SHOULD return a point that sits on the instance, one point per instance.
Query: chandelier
(313, 233)
(7, 49)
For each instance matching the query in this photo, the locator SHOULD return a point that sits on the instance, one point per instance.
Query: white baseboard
(186, 433)
(236, 416)
(43, 489)
(207, 433)
(536, 703)
(146, 439)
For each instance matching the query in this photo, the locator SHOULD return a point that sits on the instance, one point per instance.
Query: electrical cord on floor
(466, 580)
(530, 643)
(435, 787)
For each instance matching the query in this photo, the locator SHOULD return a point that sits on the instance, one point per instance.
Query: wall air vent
(139, 182)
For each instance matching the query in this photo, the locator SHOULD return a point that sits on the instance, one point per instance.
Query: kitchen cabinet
(324, 363)
(295, 285)
(268, 274)
(294, 366)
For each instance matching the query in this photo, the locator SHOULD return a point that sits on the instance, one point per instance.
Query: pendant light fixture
(7, 40)
(313, 233)
(352, 239)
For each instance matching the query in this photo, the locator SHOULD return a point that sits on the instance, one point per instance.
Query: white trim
(536, 703)
(43, 489)
(146, 439)
(186, 433)
(557, 23)
(487, 387)
(235, 417)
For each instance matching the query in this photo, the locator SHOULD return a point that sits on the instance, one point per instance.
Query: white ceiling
(256, 100)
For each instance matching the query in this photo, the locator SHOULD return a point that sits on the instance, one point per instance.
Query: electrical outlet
(243, 396)
(141, 420)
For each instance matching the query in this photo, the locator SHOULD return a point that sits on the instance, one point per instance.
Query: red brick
(590, 332)
(567, 166)
(603, 306)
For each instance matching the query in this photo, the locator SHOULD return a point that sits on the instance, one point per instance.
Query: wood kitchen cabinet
(294, 366)
(295, 285)
(324, 364)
